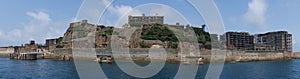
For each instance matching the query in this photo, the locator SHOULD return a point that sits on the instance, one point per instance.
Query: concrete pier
(26, 56)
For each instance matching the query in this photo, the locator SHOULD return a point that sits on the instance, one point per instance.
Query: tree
(159, 32)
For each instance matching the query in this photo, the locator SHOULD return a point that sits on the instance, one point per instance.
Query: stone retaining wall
(172, 54)
(296, 55)
(6, 50)
(139, 52)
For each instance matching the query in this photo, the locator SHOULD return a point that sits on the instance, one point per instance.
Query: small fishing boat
(200, 61)
(103, 60)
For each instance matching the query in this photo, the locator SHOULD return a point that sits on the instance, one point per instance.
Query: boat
(103, 60)
(200, 61)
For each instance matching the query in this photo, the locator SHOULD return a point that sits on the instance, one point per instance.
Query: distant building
(238, 40)
(146, 19)
(28, 48)
(32, 42)
(51, 42)
(177, 26)
(273, 41)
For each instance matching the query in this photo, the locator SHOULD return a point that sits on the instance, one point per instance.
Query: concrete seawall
(296, 55)
(242, 56)
(136, 54)
(262, 56)
(174, 56)
(142, 54)
(5, 51)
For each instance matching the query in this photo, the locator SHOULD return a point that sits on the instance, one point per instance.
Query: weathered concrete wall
(139, 52)
(261, 56)
(62, 52)
(296, 54)
(6, 50)
(237, 56)
(257, 56)
(172, 54)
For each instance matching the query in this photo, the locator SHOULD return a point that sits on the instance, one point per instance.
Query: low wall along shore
(174, 55)
(5, 51)
(296, 55)
(136, 54)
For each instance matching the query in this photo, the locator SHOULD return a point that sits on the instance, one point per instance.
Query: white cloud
(256, 14)
(41, 16)
(171, 16)
(39, 28)
(74, 20)
(14, 35)
(116, 12)
(119, 13)
(0, 33)
(120, 10)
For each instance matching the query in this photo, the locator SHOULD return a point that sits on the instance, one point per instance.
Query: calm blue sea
(54, 69)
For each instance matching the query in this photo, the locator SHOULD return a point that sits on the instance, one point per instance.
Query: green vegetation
(203, 37)
(143, 45)
(173, 45)
(104, 31)
(159, 32)
(162, 33)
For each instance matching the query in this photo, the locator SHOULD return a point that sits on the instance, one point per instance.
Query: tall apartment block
(146, 19)
(273, 41)
(238, 40)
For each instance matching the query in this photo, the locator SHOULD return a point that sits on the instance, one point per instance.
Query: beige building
(146, 19)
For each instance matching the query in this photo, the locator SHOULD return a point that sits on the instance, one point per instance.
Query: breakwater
(5, 51)
(173, 55)
(138, 54)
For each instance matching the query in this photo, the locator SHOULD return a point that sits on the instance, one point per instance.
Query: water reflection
(53, 69)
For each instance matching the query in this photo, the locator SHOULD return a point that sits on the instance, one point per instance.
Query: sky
(24, 20)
